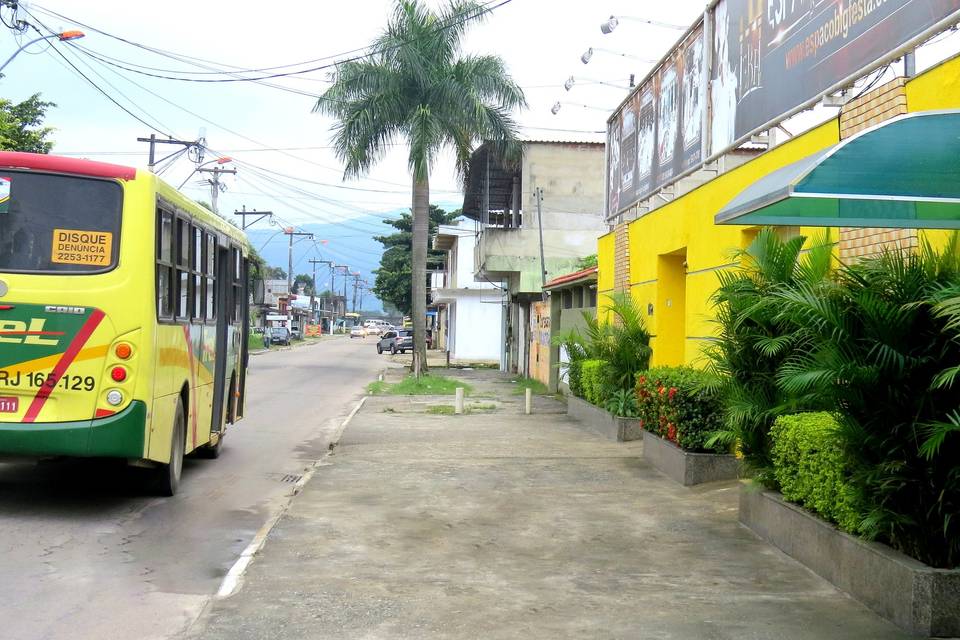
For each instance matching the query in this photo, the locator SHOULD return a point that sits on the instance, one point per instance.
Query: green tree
(303, 281)
(418, 86)
(393, 283)
(21, 125)
(274, 273)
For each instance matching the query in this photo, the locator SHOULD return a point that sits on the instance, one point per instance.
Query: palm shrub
(754, 339)
(576, 349)
(880, 344)
(623, 342)
(623, 403)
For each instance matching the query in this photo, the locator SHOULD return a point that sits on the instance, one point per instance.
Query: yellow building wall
(937, 88)
(680, 314)
(685, 228)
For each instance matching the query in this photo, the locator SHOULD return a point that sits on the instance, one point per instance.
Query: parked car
(296, 334)
(396, 341)
(358, 331)
(280, 335)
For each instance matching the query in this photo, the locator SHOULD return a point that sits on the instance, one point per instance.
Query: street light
(607, 26)
(588, 55)
(63, 37)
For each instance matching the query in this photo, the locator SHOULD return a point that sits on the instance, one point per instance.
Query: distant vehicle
(396, 340)
(358, 331)
(280, 335)
(373, 327)
(296, 334)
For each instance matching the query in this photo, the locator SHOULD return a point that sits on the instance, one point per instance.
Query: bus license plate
(9, 405)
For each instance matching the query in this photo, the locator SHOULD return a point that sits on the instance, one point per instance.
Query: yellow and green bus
(123, 317)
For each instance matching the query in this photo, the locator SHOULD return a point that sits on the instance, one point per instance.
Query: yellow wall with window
(677, 250)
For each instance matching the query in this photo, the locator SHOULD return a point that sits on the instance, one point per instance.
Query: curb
(234, 578)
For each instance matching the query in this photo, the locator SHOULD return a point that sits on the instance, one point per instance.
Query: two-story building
(536, 216)
(469, 309)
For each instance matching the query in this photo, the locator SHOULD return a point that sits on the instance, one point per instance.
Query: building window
(567, 299)
(591, 297)
(578, 298)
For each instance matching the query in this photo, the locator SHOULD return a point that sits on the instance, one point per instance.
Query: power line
(484, 9)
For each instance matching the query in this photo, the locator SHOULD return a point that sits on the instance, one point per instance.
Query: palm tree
(418, 86)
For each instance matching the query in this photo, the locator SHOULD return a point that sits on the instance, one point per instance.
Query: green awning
(902, 173)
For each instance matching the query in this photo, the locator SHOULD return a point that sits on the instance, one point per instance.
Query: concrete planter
(686, 467)
(918, 598)
(602, 421)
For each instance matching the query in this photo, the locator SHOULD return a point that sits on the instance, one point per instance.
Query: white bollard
(458, 403)
(528, 402)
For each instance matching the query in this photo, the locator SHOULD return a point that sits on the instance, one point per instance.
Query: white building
(470, 317)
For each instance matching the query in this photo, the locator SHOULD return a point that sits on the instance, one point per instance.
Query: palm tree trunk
(421, 227)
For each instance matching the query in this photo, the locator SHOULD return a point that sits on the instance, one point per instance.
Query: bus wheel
(167, 476)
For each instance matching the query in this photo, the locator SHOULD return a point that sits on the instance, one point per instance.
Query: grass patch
(481, 406)
(440, 410)
(428, 385)
(535, 386)
(377, 387)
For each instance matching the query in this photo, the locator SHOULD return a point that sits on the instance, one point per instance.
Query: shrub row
(680, 405)
(594, 381)
(811, 468)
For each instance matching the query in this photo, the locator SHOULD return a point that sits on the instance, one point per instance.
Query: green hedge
(678, 403)
(809, 464)
(594, 381)
(574, 368)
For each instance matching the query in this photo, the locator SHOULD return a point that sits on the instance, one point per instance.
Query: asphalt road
(84, 554)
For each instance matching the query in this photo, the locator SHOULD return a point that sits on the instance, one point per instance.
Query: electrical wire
(484, 9)
(104, 93)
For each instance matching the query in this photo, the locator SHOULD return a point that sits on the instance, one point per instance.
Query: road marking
(233, 579)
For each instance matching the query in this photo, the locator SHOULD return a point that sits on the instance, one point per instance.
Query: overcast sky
(540, 40)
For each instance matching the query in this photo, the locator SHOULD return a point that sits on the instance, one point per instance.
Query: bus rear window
(58, 224)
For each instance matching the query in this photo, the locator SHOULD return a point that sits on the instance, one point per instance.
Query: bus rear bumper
(117, 436)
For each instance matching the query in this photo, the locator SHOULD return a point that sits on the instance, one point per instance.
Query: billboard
(657, 134)
(774, 56)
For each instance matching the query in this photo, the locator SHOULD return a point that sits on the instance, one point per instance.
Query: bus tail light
(119, 374)
(114, 397)
(123, 350)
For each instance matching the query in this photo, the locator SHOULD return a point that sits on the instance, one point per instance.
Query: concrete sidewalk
(501, 525)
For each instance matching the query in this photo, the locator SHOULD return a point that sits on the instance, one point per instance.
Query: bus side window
(183, 269)
(237, 285)
(196, 281)
(210, 273)
(165, 271)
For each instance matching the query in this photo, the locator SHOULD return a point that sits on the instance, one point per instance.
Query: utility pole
(215, 184)
(290, 233)
(543, 264)
(315, 263)
(346, 274)
(244, 213)
(154, 141)
(356, 284)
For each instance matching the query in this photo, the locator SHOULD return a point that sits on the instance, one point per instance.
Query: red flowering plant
(677, 404)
